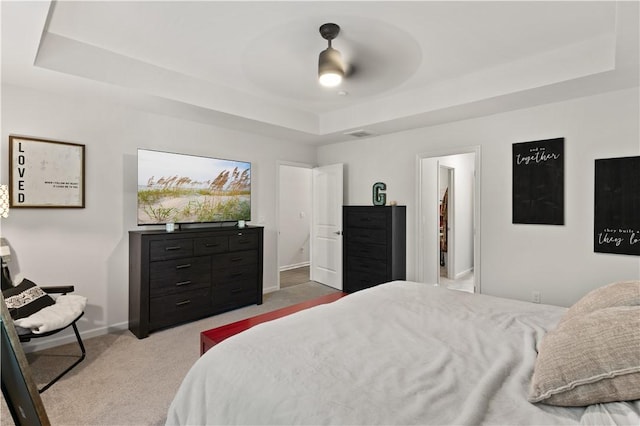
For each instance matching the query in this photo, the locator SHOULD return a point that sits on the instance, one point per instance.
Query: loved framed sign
(45, 173)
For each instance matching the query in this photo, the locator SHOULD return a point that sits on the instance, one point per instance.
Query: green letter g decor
(379, 198)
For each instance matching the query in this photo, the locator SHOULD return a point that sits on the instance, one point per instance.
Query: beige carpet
(127, 381)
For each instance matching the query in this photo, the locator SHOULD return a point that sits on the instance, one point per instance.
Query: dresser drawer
(364, 264)
(249, 257)
(211, 245)
(235, 294)
(368, 218)
(236, 273)
(358, 280)
(171, 276)
(170, 249)
(366, 236)
(371, 251)
(175, 308)
(243, 240)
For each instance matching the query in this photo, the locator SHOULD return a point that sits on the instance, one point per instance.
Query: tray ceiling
(253, 65)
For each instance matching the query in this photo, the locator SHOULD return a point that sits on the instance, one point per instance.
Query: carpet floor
(130, 381)
(293, 277)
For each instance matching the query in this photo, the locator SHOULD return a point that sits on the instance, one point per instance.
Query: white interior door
(326, 225)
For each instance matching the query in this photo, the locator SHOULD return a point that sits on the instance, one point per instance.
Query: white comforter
(399, 353)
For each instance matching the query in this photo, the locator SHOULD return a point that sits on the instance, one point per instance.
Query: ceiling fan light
(330, 69)
(330, 79)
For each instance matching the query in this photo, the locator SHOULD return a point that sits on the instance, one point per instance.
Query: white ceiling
(253, 65)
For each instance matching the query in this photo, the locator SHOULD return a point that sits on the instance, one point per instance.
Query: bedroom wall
(515, 260)
(294, 216)
(89, 247)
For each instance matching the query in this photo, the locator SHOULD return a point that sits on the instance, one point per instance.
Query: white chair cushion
(59, 315)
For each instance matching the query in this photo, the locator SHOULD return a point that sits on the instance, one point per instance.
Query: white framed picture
(45, 173)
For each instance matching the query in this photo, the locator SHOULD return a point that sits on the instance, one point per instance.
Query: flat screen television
(183, 189)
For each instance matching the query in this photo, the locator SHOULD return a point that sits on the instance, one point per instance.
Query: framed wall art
(45, 173)
(538, 182)
(616, 219)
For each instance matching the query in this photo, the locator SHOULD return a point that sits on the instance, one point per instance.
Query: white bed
(399, 353)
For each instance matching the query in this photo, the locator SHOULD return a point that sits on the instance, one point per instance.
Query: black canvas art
(617, 206)
(538, 182)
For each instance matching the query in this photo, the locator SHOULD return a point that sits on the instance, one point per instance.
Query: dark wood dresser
(374, 245)
(180, 276)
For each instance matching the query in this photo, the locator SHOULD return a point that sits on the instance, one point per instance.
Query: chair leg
(78, 361)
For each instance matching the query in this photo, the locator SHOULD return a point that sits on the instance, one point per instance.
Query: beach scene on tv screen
(189, 189)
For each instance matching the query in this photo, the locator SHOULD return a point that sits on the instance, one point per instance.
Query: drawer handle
(236, 291)
(211, 245)
(186, 265)
(183, 283)
(184, 302)
(243, 242)
(236, 259)
(237, 274)
(172, 248)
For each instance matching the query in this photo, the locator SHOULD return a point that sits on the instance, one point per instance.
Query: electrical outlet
(535, 296)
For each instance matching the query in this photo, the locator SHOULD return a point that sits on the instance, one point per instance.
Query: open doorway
(309, 218)
(294, 228)
(448, 243)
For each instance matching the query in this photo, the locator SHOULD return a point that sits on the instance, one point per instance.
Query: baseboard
(269, 289)
(460, 274)
(294, 266)
(69, 337)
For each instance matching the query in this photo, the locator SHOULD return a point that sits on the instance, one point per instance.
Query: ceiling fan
(331, 69)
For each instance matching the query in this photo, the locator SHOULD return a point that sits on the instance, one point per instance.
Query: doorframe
(279, 164)
(420, 252)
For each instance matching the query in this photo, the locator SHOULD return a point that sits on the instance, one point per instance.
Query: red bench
(212, 337)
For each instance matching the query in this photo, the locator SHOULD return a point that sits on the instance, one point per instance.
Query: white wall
(89, 247)
(427, 267)
(558, 261)
(294, 216)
